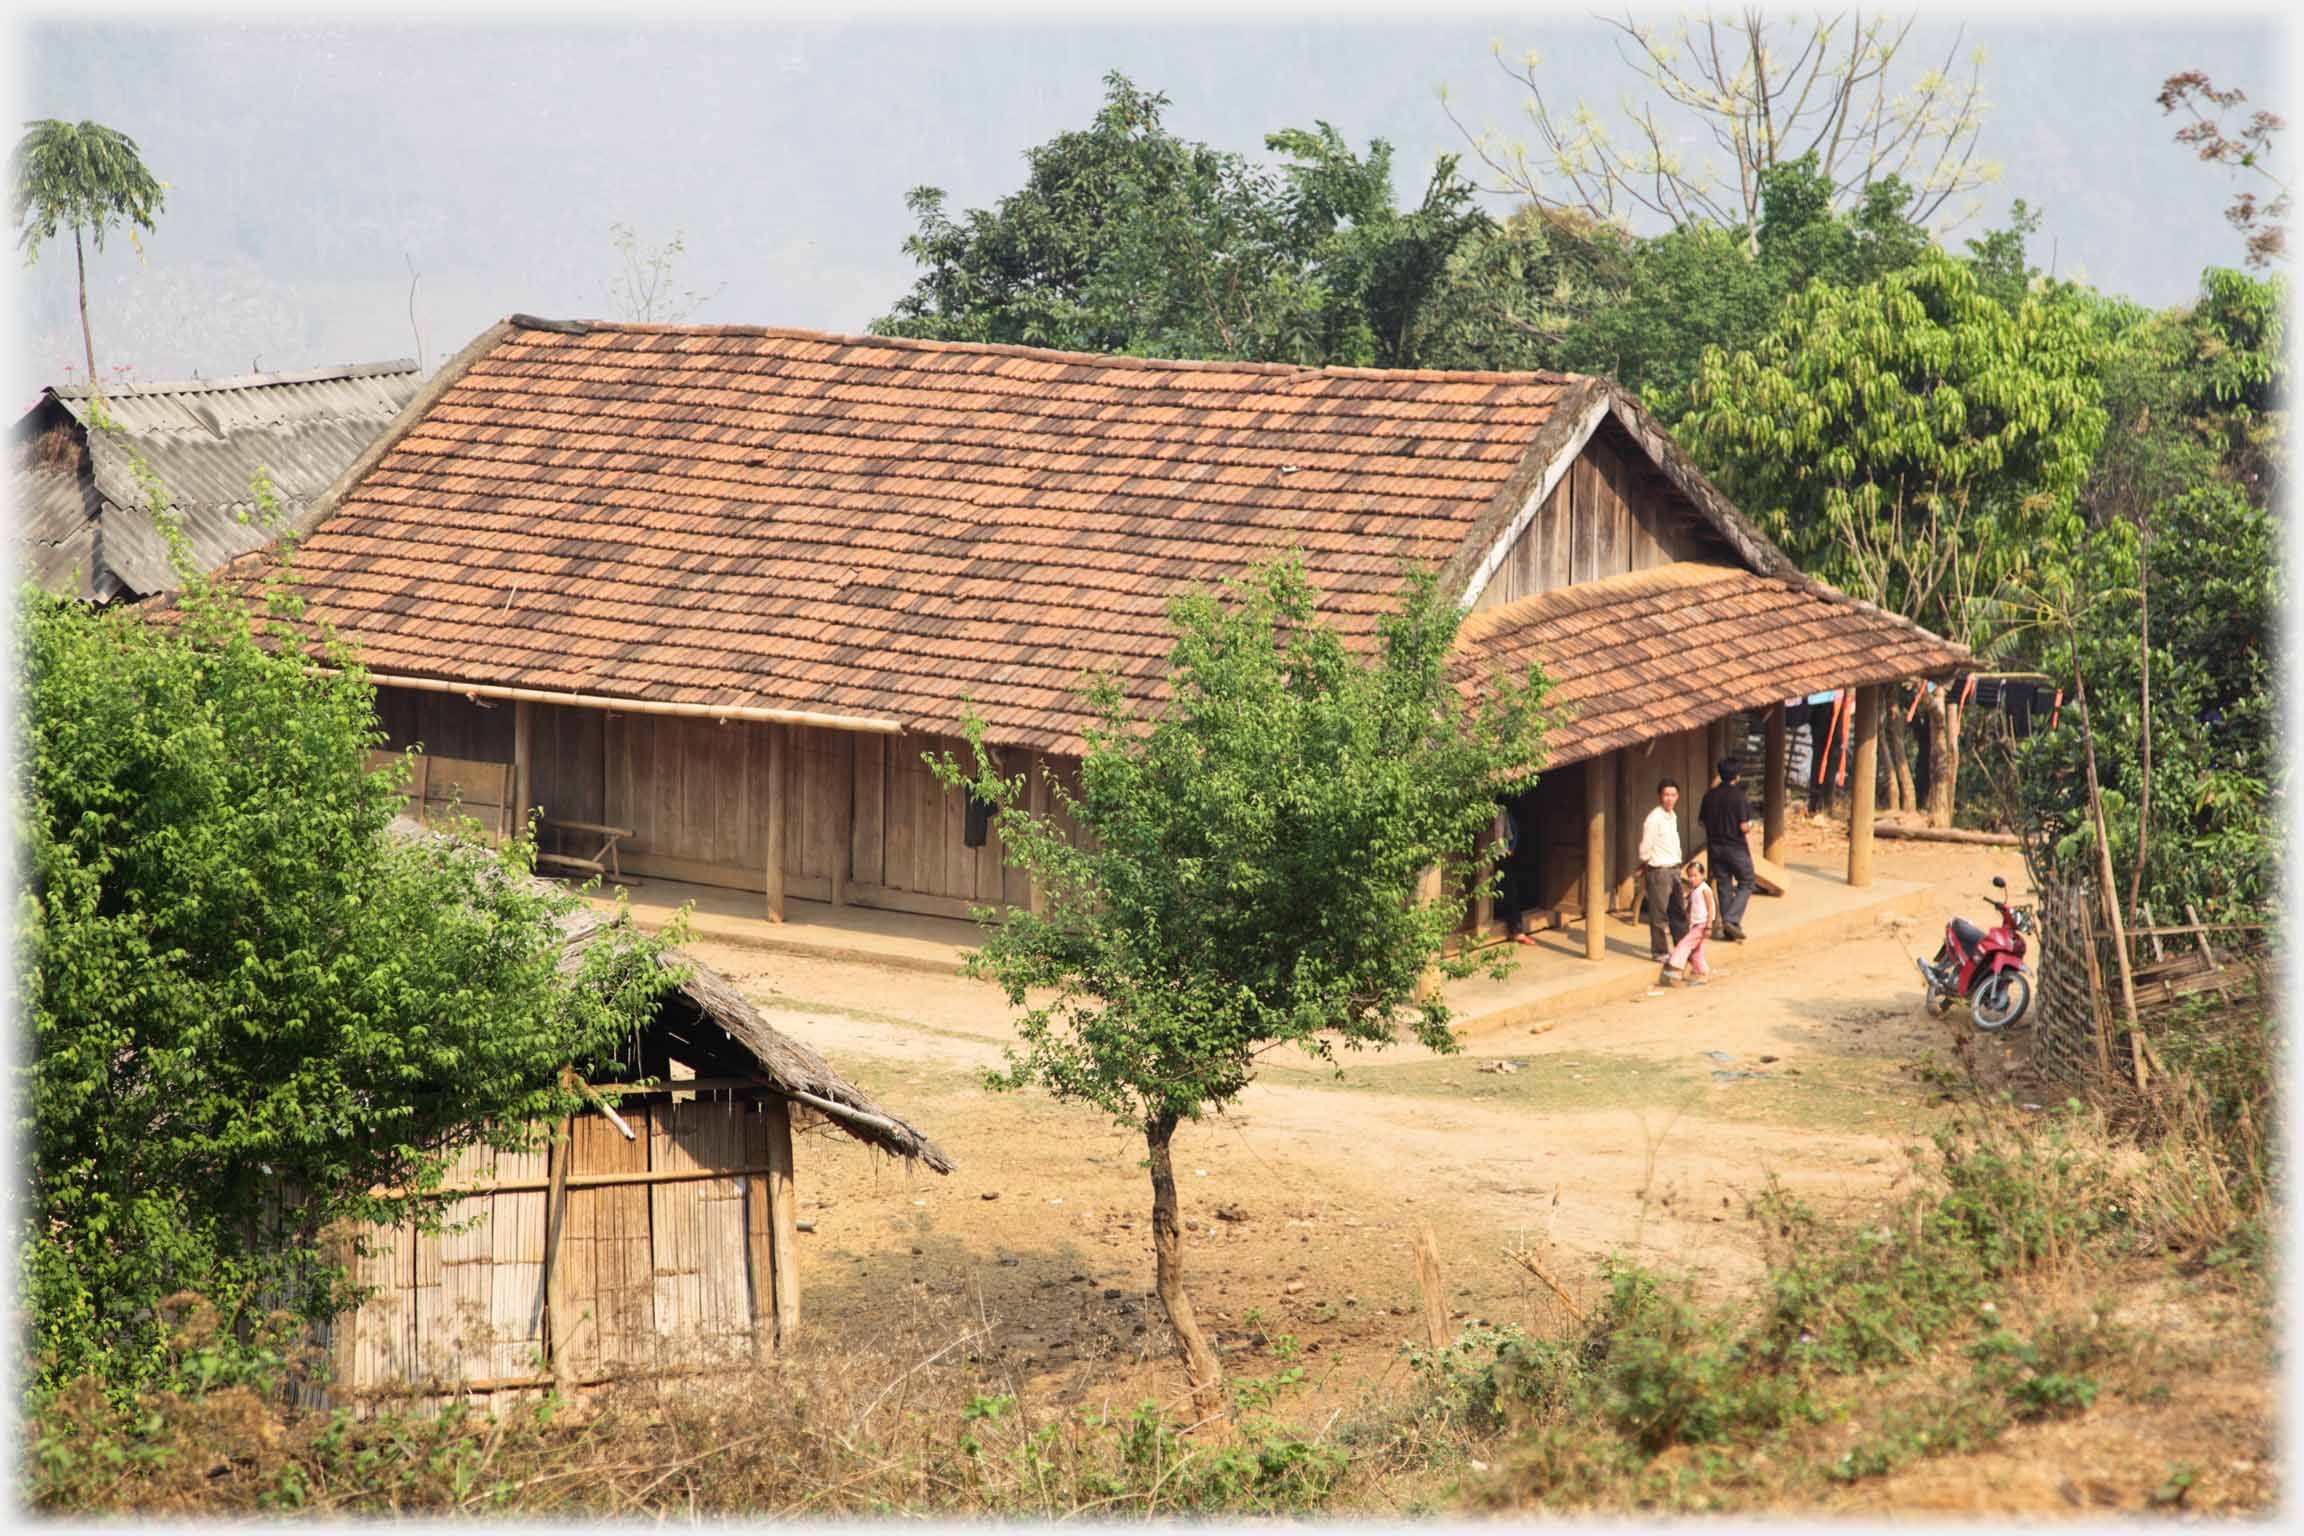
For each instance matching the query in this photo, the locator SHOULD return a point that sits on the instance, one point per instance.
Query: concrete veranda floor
(1551, 978)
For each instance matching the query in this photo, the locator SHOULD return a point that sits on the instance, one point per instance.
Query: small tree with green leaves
(87, 178)
(1248, 867)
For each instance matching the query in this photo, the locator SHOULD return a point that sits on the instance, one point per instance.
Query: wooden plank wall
(1608, 515)
(570, 777)
(695, 794)
(909, 847)
(653, 1275)
(445, 724)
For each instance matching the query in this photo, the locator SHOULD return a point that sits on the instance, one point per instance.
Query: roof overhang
(1634, 657)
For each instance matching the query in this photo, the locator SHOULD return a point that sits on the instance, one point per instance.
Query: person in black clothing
(1726, 814)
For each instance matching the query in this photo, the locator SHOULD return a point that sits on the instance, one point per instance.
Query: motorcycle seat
(1967, 933)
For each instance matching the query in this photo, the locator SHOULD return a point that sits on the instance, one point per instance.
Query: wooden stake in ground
(1428, 1282)
(1527, 1261)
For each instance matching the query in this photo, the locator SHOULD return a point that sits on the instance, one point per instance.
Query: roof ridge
(1044, 354)
(198, 386)
(1575, 595)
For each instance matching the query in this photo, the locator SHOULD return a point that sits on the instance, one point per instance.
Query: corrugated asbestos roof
(206, 439)
(1637, 656)
(895, 529)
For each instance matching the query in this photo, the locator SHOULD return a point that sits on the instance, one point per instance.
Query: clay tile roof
(1636, 656)
(878, 527)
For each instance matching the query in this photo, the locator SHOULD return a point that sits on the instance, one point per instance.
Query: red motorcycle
(1984, 969)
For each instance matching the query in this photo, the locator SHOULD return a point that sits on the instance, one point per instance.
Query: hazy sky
(311, 163)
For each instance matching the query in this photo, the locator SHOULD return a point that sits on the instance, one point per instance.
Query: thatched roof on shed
(787, 1066)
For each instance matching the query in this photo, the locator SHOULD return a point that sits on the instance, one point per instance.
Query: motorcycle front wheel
(2000, 999)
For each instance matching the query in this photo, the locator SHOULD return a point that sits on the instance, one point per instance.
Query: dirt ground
(1640, 1129)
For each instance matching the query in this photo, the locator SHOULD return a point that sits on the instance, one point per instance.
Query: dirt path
(1641, 1128)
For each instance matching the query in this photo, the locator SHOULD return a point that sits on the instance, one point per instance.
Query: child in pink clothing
(1703, 909)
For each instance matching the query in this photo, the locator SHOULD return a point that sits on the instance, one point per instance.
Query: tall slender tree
(89, 179)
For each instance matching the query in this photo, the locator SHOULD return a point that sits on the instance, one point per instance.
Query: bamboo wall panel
(382, 1343)
(703, 1302)
(624, 1282)
(516, 1269)
(652, 1276)
(456, 1338)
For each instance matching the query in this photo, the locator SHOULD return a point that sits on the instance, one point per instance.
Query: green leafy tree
(1912, 441)
(1643, 311)
(246, 1001)
(2180, 677)
(86, 178)
(1125, 238)
(1244, 875)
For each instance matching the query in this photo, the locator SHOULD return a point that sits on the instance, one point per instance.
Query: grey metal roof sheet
(206, 439)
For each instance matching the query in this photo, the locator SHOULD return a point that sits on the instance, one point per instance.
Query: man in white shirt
(1659, 869)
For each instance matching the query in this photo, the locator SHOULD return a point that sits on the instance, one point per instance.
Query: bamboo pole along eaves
(747, 712)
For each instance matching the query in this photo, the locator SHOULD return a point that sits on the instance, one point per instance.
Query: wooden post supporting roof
(1861, 771)
(779, 776)
(1036, 801)
(1599, 789)
(1773, 807)
(559, 1309)
(784, 1219)
(523, 766)
(763, 1256)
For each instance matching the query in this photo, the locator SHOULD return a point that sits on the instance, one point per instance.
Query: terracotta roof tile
(1635, 656)
(865, 525)
(708, 515)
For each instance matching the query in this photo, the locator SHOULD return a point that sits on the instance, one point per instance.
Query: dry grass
(927, 1422)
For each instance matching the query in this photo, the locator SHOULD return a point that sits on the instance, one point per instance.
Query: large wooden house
(703, 596)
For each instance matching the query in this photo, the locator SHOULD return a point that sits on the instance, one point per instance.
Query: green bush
(247, 1003)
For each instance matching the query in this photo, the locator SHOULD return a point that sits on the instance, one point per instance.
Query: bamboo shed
(654, 1234)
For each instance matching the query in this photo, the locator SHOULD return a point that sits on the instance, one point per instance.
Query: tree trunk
(2144, 692)
(1896, 759)
(2111, 898)
(87, 337)
(1168, 1261)
(1943, 756)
